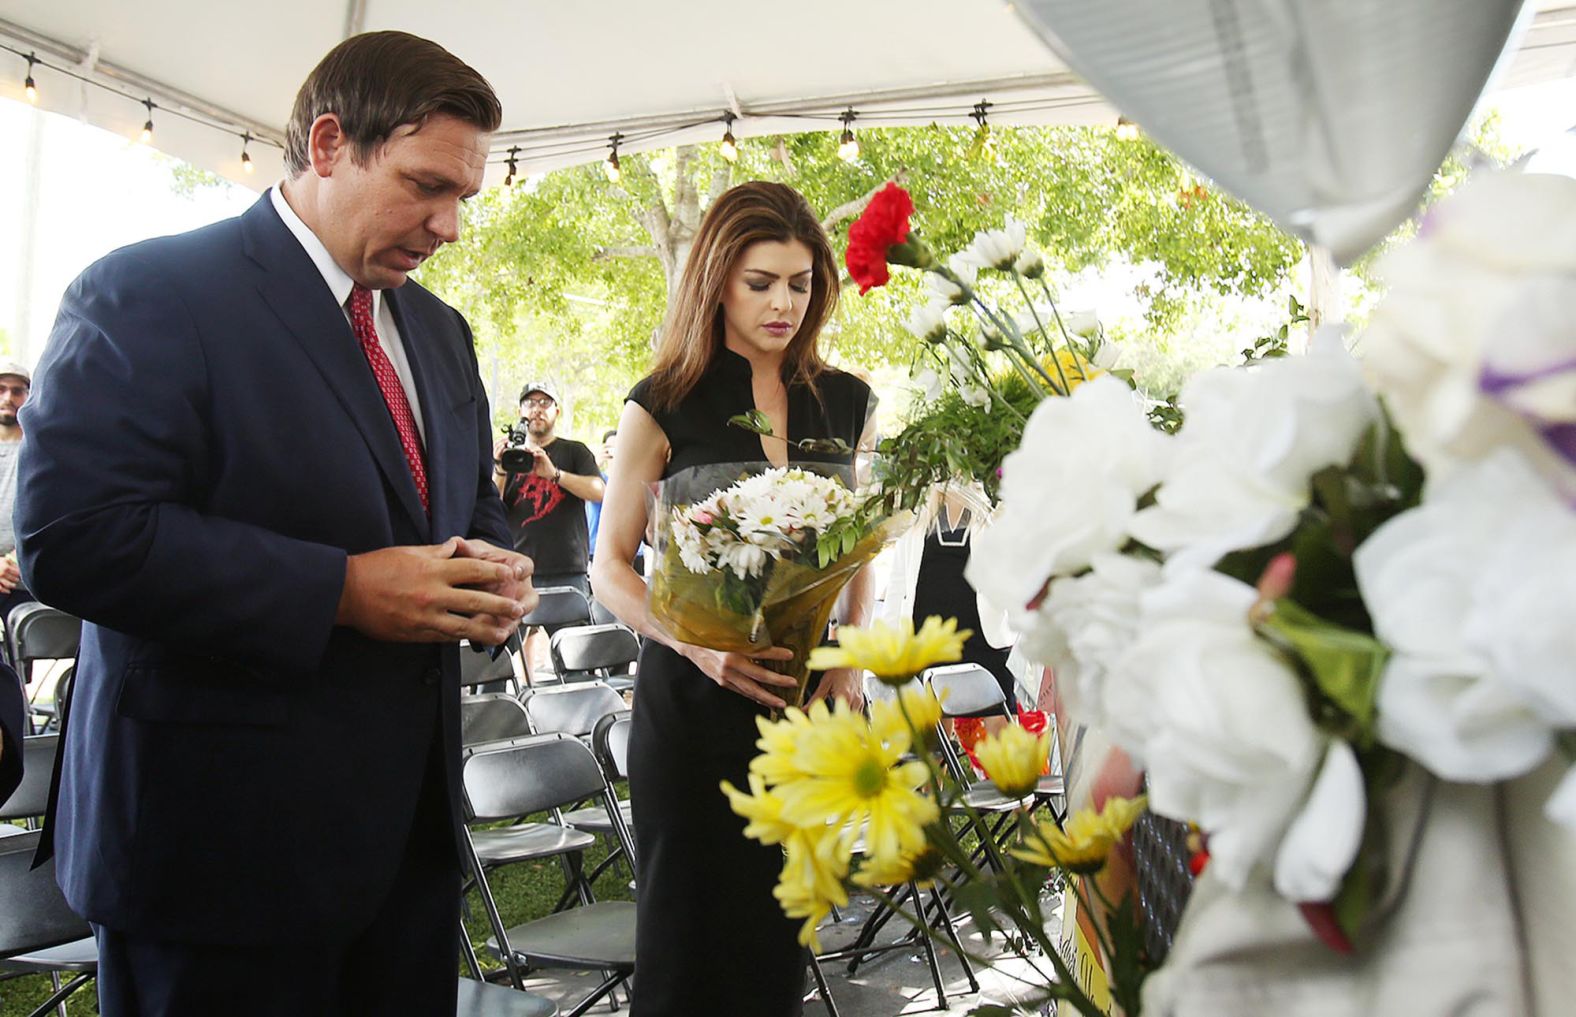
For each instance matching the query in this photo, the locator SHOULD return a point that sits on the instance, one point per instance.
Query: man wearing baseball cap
(546, 495)
(16, 381)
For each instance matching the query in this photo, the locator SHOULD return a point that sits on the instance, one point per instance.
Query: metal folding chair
(481, 672)
(515, 779)
(605, 653)
(36, 632)
(39, 934)
(492, 717)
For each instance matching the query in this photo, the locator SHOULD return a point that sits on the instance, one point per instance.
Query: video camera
(516, 458)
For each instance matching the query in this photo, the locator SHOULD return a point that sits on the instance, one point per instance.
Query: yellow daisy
(1081, 847)
(852, 775)
(1013, 759)
(811, 882)
(915, 711)
(893, 653)
(1073, 366)
(763, 809)
(919, 867)
(779, 741)
(1119, 814)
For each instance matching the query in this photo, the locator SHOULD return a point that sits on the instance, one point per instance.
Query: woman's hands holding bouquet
(739, 672)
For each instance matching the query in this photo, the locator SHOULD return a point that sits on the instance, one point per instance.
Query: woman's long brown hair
(692, 335)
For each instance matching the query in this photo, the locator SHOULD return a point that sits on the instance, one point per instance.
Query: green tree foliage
(567, 275)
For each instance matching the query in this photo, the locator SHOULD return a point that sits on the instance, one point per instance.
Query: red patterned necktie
(389, 385)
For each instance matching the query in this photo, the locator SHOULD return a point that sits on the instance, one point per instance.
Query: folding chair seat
(515, 779)
(969, 690)
(479, 999)
(31, 797)
(605, 653)
(481, 672)
(492, 717)
(39, 934)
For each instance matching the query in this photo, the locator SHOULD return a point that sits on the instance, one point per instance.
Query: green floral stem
(1027, 919)
(1014, 341)
(1082, 375)
(1055, 360)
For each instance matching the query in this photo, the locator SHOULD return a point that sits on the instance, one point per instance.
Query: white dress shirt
(340, 284)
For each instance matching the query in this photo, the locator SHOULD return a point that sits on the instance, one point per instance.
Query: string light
(729, 149)
(147, 125)
(508, 181)
(982, 147)
(611, 167)
(1126, 130)
(848, 145)
(246, 157)
(28, 88)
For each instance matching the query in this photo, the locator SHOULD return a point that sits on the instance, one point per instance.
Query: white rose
(1251, 440)
(1084, 624)
(1472, 347)
(1323, 840)
(997, 249)
(1471, 591)
(1220, 720)
(1084, 324)
(1068, 492)
(929, 322)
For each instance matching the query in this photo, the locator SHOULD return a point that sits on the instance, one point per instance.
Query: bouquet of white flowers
(750, 555)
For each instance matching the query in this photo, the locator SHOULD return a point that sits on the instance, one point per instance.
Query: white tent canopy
(572, 74)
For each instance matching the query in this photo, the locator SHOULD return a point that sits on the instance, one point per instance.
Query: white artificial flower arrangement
(1275, 607)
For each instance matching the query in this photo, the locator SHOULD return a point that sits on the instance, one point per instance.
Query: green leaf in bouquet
(753, 420)
(1345, 665)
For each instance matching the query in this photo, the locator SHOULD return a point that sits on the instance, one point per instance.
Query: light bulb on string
(729, 149)
(28, 87)
(246, 157)
(508, 180)
(847, 144)
(1126, 130)
(147, 126)
(982, 148)
(611, 167)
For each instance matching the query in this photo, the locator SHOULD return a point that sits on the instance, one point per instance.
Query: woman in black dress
(740, 335)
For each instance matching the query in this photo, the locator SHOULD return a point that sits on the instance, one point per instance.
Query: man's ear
(327, 146)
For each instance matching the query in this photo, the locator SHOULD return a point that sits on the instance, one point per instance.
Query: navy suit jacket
(205, 444)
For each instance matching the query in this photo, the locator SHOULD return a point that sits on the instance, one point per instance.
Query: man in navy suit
(258, 465)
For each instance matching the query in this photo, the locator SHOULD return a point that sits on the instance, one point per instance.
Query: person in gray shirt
(16, 381)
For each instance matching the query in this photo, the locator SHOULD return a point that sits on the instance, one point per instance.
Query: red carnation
(882, 226)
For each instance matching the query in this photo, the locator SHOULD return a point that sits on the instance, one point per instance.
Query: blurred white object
(1329, 118)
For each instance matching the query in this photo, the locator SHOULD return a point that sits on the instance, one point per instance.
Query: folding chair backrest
(33, 912)
(38, 632)
(558, 606)
(31, 797)
(492, 717)
(595, 648)
(478, 667)
(506, 780)
(966, 689)
(601, 615)
(571, 709)
(610, 743)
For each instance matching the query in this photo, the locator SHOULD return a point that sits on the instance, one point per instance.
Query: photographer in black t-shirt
(546, 494)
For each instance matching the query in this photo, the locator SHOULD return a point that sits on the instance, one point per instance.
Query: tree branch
(630, 251)
(850, 209)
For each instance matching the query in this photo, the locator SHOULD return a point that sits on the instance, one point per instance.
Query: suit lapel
(297, 294)
(421, 351)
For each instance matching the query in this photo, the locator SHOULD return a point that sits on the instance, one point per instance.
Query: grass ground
(523, 891)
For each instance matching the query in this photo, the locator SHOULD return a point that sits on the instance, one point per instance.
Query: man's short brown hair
(380, 81)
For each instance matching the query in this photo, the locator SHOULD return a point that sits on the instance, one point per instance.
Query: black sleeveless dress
(711, 939)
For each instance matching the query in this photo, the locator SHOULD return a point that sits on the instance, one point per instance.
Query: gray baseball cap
(545, 387)
(17, 368)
